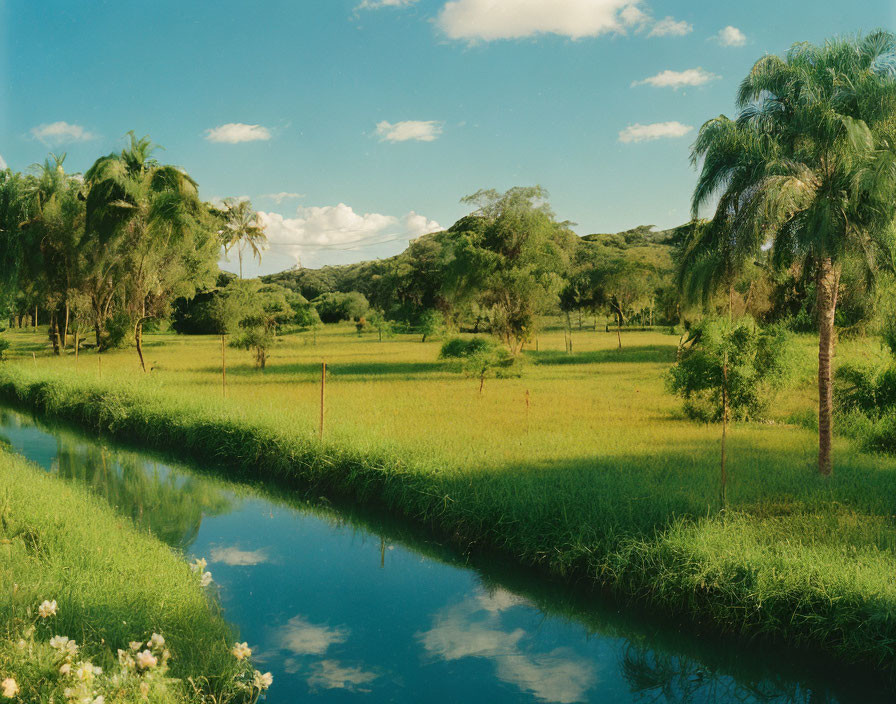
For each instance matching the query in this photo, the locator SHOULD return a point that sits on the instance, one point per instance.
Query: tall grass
(113, 584)
(606, 483)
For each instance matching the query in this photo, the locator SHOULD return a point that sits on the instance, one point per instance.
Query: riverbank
(73, 567)
(796, 558)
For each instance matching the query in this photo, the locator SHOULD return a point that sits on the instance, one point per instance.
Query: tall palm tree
(809, 169)
(242, 228)
(137, 210)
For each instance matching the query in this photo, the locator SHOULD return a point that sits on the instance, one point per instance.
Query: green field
(602, 478)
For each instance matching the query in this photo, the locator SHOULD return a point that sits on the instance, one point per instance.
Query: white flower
(263, 681)
(135, 644)
(156, 641)
(206, 579)
(65, 669)
(22, 644)
(86, 671)
(47, 609)
(241, 651)
(64, 645)
(125, 659)
(10, 688)
(146, 660)
(100, 700)
(198, 565)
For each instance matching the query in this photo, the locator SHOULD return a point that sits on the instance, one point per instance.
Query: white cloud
(282, 196)
(514, 19)
(303, 638)
(670, 27)
(416, 130)
(323, 230)
(330, 674)
(657, 130)
(235, 132)
(61, 133)
(730, 36)
(2, 163)
(242, 558)
(473, 629)
(377, 4)
(679, 79)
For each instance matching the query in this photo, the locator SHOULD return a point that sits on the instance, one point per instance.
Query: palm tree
(137, 211)
(242, 228)
(809, 169)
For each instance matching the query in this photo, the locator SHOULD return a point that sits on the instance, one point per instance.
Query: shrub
(460, 347)
(758, 363)
(4, 345)
(336, 307)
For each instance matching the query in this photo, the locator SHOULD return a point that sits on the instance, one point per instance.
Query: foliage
(336, 307)
(757, 362)
(256, 311)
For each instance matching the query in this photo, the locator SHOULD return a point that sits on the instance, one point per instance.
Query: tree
(511, 252)
(150, 239)
(260, 309)
(808, 168)
(242, 228)
(478, 357)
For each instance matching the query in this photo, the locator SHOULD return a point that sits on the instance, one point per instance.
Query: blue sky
(372, 119)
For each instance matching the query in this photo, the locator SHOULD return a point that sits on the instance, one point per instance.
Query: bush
(336, 307)
(119, 331)
(758, 363)
(4, 345)
(460, 347)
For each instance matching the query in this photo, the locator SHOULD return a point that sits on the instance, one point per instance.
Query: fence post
(323, 386)
(223, 369)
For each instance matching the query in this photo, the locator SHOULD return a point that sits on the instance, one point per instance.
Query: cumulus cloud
(473, 629)
(282, 196)
(730, 36)
(409, 130)
(670, 27)
(61, 132)
(330, 674)
(377, 4)
(678, 79)
(235, 132)
(485, 20)
(657, 130)
(303, 638)
(316, 231)
(236, 557)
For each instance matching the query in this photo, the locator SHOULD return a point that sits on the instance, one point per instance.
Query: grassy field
(600, 478)
(112, 584)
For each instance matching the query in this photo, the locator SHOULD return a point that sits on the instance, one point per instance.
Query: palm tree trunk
(826, 302)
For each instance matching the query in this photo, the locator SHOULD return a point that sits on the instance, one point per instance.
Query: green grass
(113, 584)
(602, 479)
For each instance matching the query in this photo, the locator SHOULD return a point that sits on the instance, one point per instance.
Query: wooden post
(77, 343)
(34, 357)
(724, 477)
(527, 411)
(323, 387)
(223, 369)
(99, 364)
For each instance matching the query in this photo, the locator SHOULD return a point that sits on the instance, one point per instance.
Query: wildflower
(10, 688)
(206, 579)
(198, 565)
(144, 689)
(65, 645)
(126, 660)
(166, 656)
(146, 660)
(100, 700)
(263, 681)
(22, 644)
(241, 651)
(135, 644)
(47, 609)
(156, 641)
(86, 671)
(65, 669)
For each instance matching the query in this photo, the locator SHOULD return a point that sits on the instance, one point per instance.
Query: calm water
(345, 607)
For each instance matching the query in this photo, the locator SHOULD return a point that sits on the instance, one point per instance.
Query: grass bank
(112, 585)
(603, 481)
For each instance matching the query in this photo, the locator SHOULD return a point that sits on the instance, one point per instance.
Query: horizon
(349, 150)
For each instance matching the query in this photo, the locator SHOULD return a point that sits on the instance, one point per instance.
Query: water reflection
(473, 628)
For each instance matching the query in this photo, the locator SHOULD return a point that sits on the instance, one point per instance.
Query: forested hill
(423, 263)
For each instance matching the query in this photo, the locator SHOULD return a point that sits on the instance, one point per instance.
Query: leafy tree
(479, 357)
(261, 310)
(511, 252)
(336, 307)
(429, 324)
(150, 240)
(808, 166)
